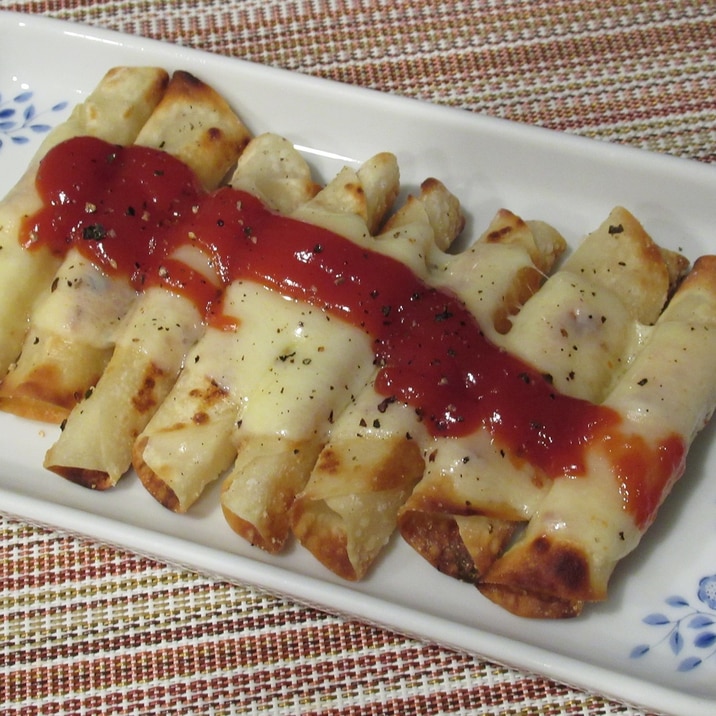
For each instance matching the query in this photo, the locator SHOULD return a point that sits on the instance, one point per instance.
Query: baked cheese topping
(133, 210)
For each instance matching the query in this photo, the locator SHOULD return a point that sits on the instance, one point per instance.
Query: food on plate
(575, 339)
(193, 125)
(188, 443)
(375, 453)
(584, 526)
(314, 367)
(115, 111)
(74, 326)
(516, 412)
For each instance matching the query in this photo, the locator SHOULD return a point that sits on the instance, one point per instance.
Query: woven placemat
(633, 71)
(92, 629)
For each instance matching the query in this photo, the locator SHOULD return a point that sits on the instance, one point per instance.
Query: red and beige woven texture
(90, 629)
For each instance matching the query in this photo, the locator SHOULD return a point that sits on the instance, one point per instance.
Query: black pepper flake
(385, 310)
(525, 378)
(643, 381)
(55, 281)
(318, 249)
(363, 423)
(286, 356)
(131, 211)
(94, 232)
(618, 229)
(444, 315)
(383, 405)
(376, 424)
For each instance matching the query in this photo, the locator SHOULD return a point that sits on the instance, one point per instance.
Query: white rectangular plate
(664, 663)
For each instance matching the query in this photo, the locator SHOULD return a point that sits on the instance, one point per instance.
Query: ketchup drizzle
(129, 208)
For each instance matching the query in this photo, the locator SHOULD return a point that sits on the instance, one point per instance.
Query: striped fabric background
(90, 629)
(639, 72)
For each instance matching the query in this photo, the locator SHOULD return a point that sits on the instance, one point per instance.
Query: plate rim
(536, 660)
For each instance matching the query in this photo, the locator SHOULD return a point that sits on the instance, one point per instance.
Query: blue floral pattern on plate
(691, 633)
(20, 119)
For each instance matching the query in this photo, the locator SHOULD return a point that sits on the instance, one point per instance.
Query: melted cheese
(578, 332)
(115, 111)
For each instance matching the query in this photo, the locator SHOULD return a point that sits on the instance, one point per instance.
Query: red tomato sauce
(129, 208)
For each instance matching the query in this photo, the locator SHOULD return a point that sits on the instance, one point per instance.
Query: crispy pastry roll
(587, 321)
(589, 521)
(72, 328)
(375, 454)
(115, 111)
(189, 441)
(320, 363)
(579, 331)
(148, 346)
(285, 420)
(69, 341)
(346, 512)
(621, 256)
